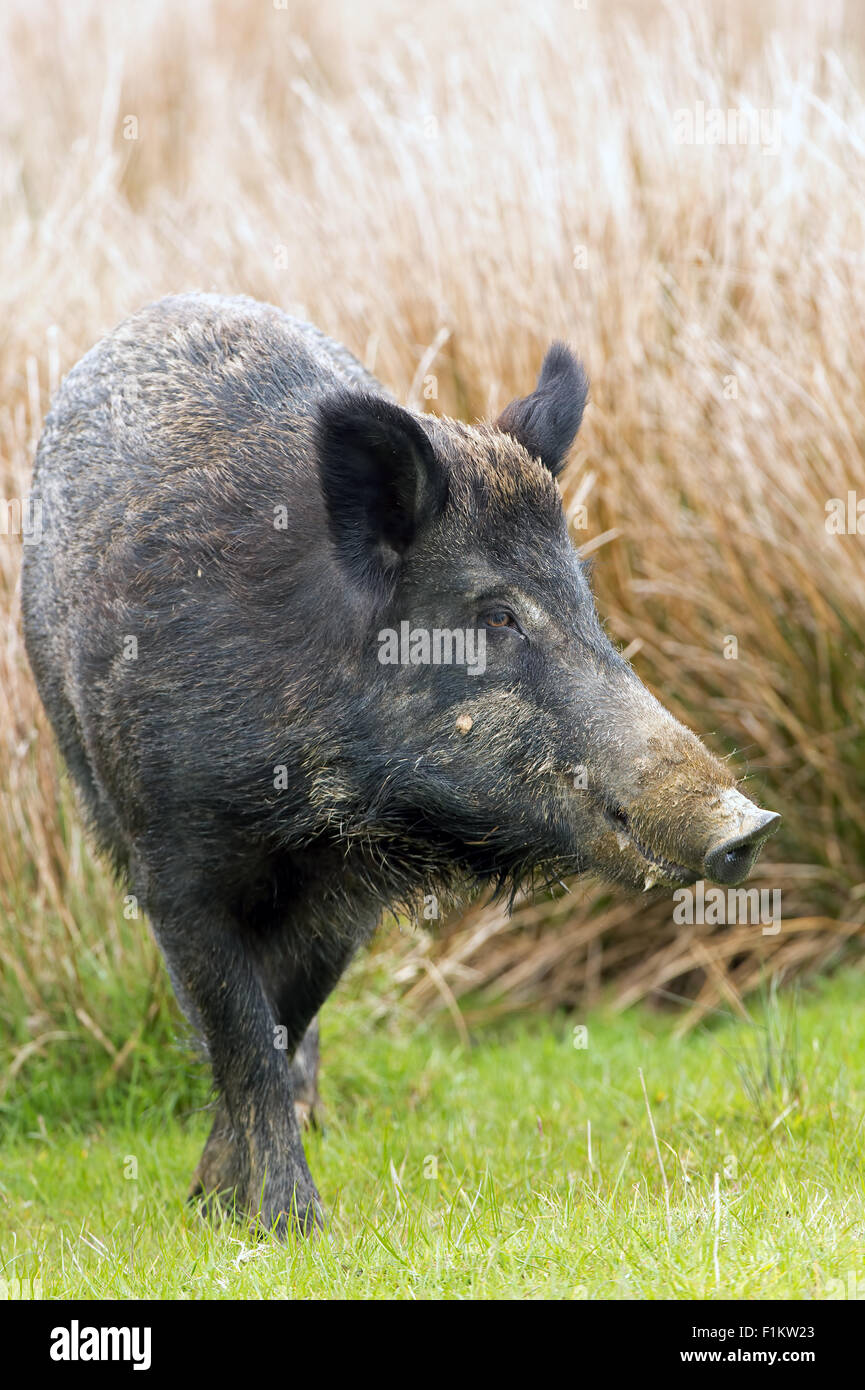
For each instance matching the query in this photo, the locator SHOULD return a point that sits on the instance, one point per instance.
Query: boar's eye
(501, 618)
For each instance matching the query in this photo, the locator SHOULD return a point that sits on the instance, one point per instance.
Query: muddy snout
(682, 820)
(744, 831)
(669, 810)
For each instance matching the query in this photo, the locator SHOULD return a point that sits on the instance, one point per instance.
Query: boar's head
(540, 752)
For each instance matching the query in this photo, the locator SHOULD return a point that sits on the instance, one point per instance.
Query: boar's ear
(382, 481)
(546, 422)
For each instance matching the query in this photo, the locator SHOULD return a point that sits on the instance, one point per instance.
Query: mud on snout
(675, 816)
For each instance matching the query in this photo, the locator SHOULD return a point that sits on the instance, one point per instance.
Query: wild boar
(238, 521)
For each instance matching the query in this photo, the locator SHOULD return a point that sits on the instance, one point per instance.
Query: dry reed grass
(445, 188)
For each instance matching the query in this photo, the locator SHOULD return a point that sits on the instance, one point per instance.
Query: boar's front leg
(255, 1153)
(218, 1174)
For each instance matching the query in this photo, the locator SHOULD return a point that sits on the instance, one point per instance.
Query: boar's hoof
(223, 1189)
(300, 1214)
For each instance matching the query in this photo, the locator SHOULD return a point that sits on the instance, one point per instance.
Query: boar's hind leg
(219, 1177)
(297, 987)
(297, 982)
(304, 1078)
(254, 1151)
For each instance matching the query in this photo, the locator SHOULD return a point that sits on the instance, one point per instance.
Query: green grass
(455, 1173)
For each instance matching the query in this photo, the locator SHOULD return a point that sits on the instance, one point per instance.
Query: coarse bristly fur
(235, 511)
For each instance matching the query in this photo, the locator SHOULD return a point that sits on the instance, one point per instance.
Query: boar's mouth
(722, 837)
(658, 869)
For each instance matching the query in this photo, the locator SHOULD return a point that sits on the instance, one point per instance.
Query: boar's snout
(669, 810)
(730, 861)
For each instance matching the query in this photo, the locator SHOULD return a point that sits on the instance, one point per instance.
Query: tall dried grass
(445, 188)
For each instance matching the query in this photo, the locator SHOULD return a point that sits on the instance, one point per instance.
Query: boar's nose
(732, 860)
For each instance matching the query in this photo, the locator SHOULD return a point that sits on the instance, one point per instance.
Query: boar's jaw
(655, 868)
